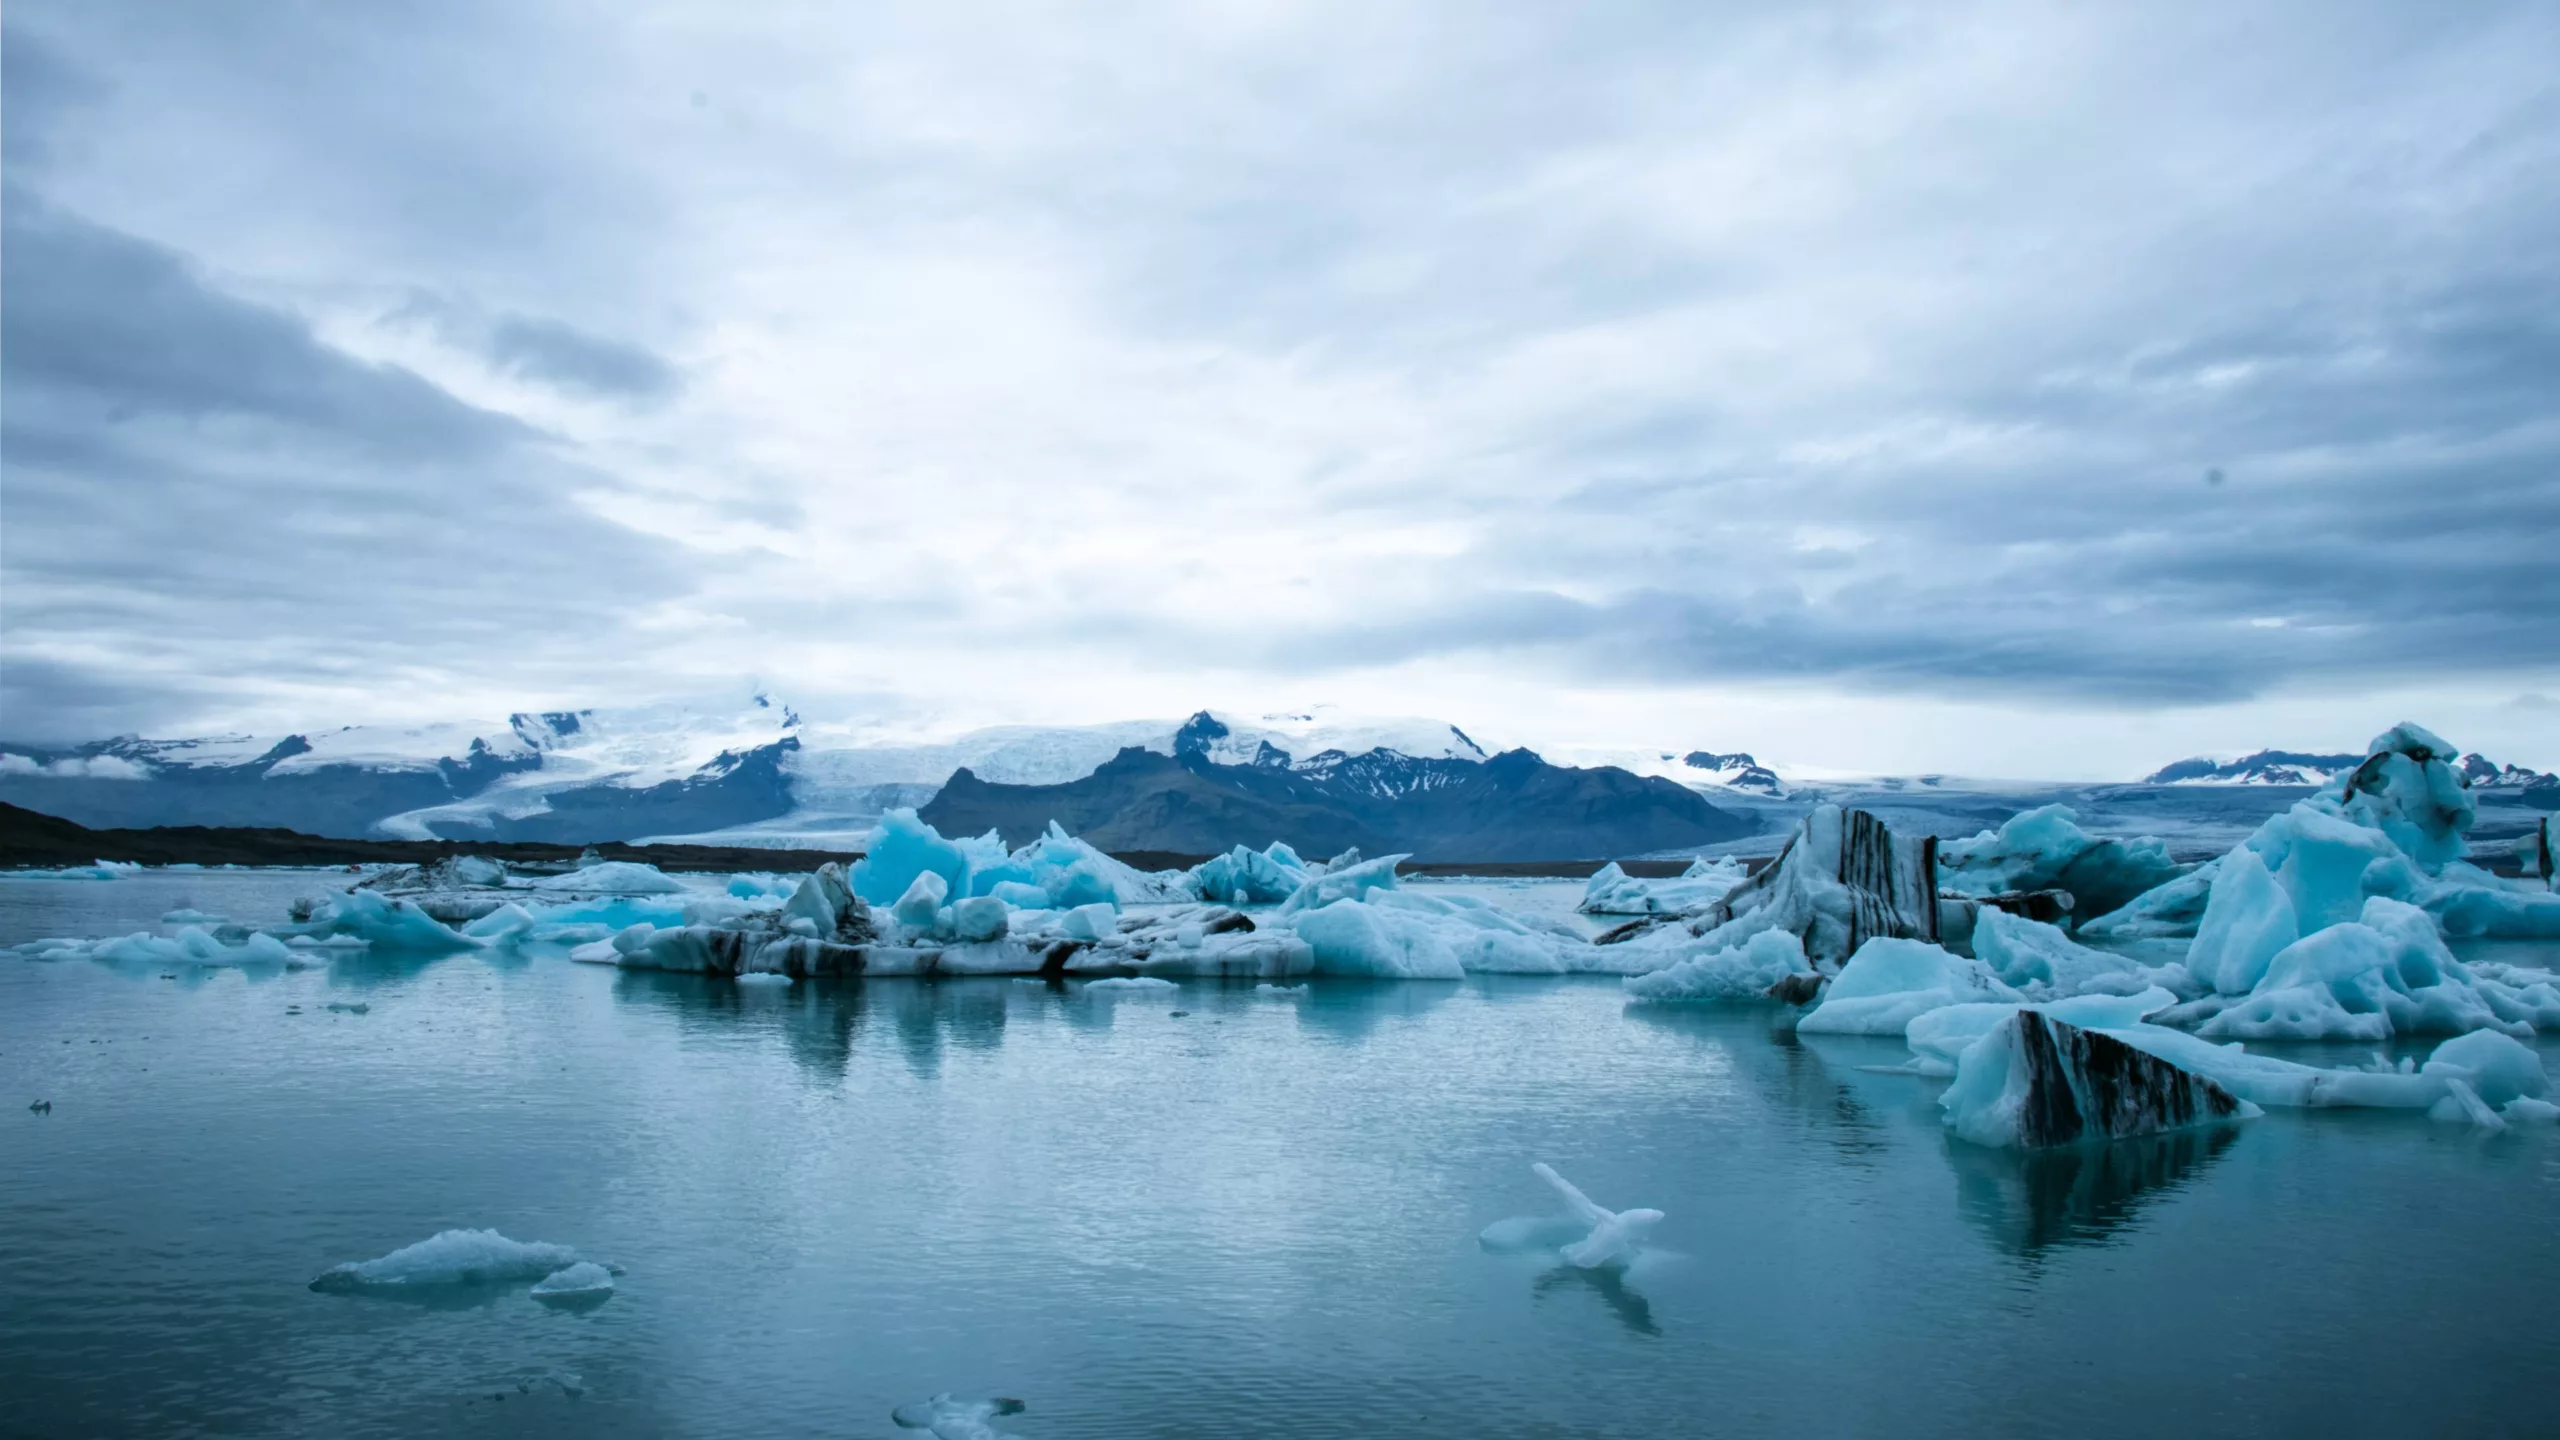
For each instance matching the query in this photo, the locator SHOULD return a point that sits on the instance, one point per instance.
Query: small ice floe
(1606, 1237)
(947, 1418)
(1281, 992)
(452, 1257)
(1118, 986)
(357, 1007)
(186, 916)
(576, 1286)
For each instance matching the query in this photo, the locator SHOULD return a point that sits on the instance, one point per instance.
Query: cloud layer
(2140, 368)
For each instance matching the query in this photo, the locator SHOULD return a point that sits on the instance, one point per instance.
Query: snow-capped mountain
(2294, 767)
(1735, 771)
(1705, 771)
(756, 774)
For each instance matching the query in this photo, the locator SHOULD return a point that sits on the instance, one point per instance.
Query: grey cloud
(561, 355)
(39, 87)
(192, 475)
(120, 327)
(1836, 272)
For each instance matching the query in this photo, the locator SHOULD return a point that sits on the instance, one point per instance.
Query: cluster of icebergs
(2328, 923)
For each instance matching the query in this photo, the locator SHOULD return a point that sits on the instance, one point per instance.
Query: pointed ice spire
(1615, 1234)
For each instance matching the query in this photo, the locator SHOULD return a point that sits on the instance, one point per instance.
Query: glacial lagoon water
(1213, 1212)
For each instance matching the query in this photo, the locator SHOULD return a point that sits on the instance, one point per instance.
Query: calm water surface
(1256, 1218)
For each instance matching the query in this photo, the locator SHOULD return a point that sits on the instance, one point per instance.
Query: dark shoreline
(32, 840)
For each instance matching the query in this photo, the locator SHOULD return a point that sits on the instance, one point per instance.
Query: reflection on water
(1609, 1282)
(1250, 1220)
(2033, 1201)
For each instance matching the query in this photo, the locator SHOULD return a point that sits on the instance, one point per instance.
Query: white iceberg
(1739, 972)
(451, 1257)
(1890, 982)
(612, 877)
(1606, 1237)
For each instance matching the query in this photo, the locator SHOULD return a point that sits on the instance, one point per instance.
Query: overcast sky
(1988, 388)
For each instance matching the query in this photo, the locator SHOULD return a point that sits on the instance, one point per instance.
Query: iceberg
(2036, 1081)
(1748, 971)
(451, 1257)
(1890, 982)
(1611, 891)
(192, 945)
(611, 877)
(2045, 849)
(1249, 877)
(1350, 937)
(388, 924)
(2042, 961)
(1841, 880)
(1340, 881)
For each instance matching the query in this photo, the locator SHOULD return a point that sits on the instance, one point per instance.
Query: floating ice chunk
(2045, 849)
(946, 1418)
(1347, 882)
(1889, 982)
(387, 924)
(1117, 985)
(1289, 992)
(2246, 922)
(612, 877)
(979, 918)
(2034, 1081)
(1742, 972)
(901, 849)
(2462, 1105)
(2026, 953)
(1249, 877)
(586, 1282)
(185, 916)
(477, 870)
(1020, 894)
(1615, 1235)
(190, 946)
(452, 1257)
(1611, 891)
(1353, 938)
(501, 923)
(2496, 1067)
(2528, 1111)
(1090, 922)
(921, 902)
(1940, 1037)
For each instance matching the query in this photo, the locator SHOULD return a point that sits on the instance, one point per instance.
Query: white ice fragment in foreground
(946, 1418)
(453, 1257)
(1613, 1238)
(1130, 984)
(585, 1281)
